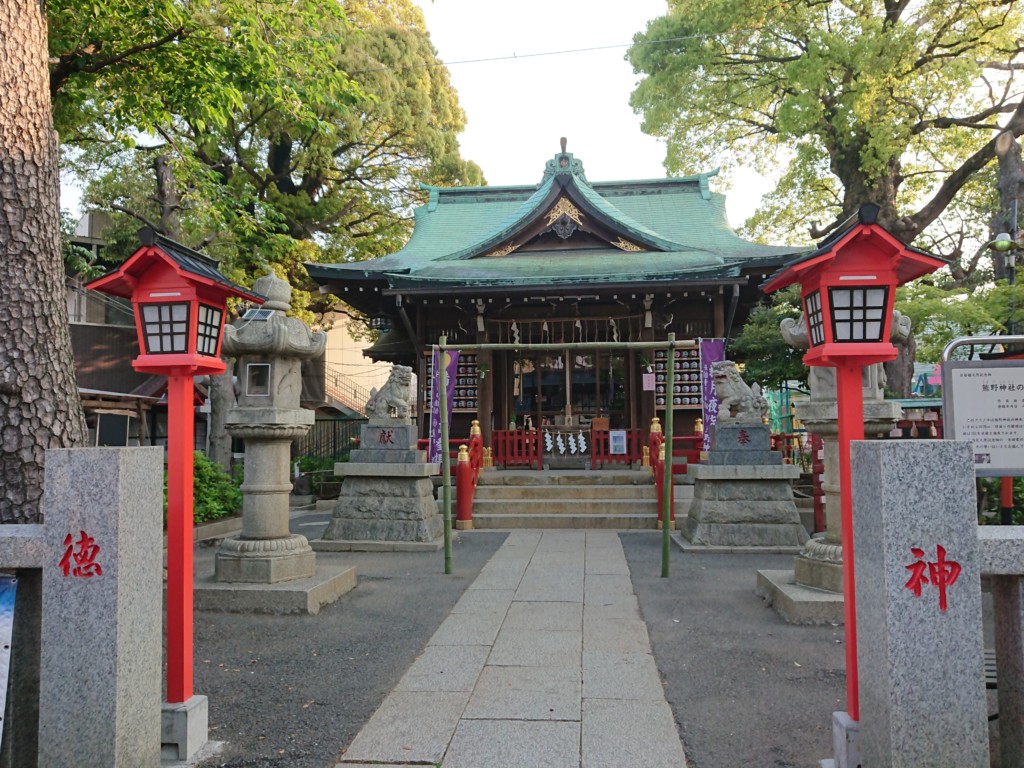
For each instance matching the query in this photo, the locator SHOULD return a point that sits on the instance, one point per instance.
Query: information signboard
(983, 403)
(617, 442)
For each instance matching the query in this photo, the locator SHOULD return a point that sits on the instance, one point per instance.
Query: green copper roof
(667, 230)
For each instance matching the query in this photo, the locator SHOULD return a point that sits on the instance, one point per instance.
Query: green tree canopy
(884, 101)
(766, 358)
(324, 169)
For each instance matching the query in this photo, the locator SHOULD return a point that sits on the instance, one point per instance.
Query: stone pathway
(544, 662)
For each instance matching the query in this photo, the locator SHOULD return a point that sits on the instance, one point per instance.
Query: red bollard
(464, 486)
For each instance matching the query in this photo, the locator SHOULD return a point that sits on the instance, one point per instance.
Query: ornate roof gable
(566, 213)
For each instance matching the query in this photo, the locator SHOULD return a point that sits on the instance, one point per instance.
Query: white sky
(517, 108)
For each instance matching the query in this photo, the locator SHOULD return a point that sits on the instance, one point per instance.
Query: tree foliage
(323, 166)
(883, 101)
(766, 358)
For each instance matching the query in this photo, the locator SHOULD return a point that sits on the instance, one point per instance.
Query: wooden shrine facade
(564, 261)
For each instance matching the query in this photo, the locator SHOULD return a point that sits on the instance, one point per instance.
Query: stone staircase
(606, 498)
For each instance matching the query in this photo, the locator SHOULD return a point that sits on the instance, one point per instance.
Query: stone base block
(687, 546)
(743, 534)
(309, 595)
(464, 525)
(323, 545)
(818, 574)
(184, 728)
(385, 508)
(259, 569)
(798, 604)
(846, 741)
(264, 561)
(386, 456)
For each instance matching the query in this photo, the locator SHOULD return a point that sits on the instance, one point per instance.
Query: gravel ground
(294, 690)
(747, 688)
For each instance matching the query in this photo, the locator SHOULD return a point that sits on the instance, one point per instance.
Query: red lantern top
(848, 288)
(180, 300)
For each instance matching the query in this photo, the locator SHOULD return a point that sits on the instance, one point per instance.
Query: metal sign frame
(983, 403)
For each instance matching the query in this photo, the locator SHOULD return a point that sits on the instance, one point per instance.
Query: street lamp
(848, 288)
(180, 301)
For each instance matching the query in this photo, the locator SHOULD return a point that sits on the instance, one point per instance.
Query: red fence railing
(516, 448)
(601, 446)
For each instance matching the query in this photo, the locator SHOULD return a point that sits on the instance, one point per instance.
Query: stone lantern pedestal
(265, 552)
(265, 567)
(813, 591)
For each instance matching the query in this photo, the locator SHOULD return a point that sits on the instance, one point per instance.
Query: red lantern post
(848, 289)
(180, 301)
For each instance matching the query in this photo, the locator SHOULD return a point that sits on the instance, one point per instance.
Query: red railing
(467, 461)
(516, 448)
(685, 446)
(600, 448)
(453, 451)
(467, 472)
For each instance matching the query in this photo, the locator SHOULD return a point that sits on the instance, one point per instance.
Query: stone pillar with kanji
(269, 347)
(919, 621)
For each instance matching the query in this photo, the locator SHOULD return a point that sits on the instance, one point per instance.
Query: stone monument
(270, 348)
(387, 498)
(742, 497)
(919, 614)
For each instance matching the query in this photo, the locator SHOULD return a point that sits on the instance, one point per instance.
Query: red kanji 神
(80, 557)
(942, 573)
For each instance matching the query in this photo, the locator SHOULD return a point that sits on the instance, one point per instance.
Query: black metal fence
(329, 438)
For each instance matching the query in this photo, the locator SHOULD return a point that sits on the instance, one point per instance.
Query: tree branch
(134, 215)
(82, 60)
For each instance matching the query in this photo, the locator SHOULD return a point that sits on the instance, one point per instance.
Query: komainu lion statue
(737, 401)
(393, 396)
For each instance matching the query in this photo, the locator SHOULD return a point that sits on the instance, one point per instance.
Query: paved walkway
(544, 662)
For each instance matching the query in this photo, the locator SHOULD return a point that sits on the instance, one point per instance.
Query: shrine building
(561, 261)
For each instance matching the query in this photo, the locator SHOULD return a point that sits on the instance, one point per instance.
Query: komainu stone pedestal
(387, 495)
(743, 497)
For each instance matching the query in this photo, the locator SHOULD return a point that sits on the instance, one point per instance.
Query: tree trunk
(40, 406)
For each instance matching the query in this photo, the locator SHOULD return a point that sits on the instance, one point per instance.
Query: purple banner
(451, 368)
(711, 351)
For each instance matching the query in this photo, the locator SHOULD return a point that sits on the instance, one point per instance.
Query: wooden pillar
(718, 311)
(485, 389)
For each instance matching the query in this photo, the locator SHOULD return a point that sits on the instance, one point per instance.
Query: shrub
(215, 493)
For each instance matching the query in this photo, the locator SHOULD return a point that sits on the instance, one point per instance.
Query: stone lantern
(270, 348)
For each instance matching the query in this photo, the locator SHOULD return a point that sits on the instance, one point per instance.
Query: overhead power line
(515, 56)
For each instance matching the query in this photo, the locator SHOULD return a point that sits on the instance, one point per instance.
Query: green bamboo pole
(446, 461)
(666, 496)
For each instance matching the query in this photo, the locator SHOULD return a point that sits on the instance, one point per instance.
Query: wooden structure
(562, 261)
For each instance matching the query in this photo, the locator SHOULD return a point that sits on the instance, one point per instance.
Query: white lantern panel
(208, 331)
(858, 313)
(165, 328)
